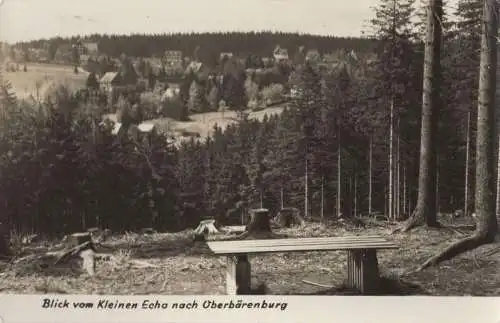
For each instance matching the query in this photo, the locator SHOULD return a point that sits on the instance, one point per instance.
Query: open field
(171, 263)
(203, 123)
(44, 76)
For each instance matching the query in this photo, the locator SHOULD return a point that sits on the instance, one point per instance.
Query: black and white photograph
(250, 147)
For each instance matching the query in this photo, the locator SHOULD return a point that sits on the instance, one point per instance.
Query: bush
(272, 93)
(151, 105)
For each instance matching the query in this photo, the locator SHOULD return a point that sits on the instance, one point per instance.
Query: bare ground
(171, 263)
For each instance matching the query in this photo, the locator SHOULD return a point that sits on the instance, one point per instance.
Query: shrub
(272, 93)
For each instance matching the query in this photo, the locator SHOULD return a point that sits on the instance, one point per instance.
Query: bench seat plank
(297, 245)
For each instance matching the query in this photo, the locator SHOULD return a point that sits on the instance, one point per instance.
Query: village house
(267, 61)
(156, 64)
(280, 54)
(313, 55)
(92, 49)
(107, 81)
(87, 48)
(115, 83)
(173, 57)
(225, 54)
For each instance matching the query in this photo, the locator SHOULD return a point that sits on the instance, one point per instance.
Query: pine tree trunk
(426, 204)
(398, 179)
(355, 197)
(404, 191)
(306, 193)
(386, 209)
(498, 182)
(390, 202)
(467, 166)
(84, 222)
(322, 197)
(282, 196)
(486, 221)
(370, 182)
(339, 186)
(437, 185)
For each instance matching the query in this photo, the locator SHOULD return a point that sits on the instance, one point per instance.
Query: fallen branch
(143, 264)
(316, 284)
(490, 252)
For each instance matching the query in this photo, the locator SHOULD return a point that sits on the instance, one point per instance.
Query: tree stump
(259, 221)
(205, 228)
(77, 239)
(79, 245)
(289, 216)
(4, 247)
(259, 226)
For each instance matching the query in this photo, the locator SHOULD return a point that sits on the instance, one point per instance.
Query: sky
(22, 20)
(32, 19)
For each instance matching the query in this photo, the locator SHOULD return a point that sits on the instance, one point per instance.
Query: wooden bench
(362, 263)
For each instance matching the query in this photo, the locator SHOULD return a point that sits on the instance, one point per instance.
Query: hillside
(44, 77)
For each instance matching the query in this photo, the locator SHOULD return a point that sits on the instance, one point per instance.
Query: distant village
(164, 77)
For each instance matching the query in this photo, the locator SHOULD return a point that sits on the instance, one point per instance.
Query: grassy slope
(184, 267)
(25, 83)
(203, 123)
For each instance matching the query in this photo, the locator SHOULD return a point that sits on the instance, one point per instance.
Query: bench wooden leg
(238, 275)
(362, 270)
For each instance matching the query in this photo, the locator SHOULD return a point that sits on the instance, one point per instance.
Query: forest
(61, 164)
(210, 44)
(347, 146)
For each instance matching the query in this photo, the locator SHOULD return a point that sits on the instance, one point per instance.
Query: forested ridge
(210, 44)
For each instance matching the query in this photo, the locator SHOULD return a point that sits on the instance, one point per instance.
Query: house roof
(65, 47)
(91, 47)
(108, 77)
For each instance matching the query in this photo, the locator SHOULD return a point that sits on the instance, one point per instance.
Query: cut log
(289, 216)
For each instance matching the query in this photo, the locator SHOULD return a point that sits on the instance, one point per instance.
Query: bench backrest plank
(299, 244)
